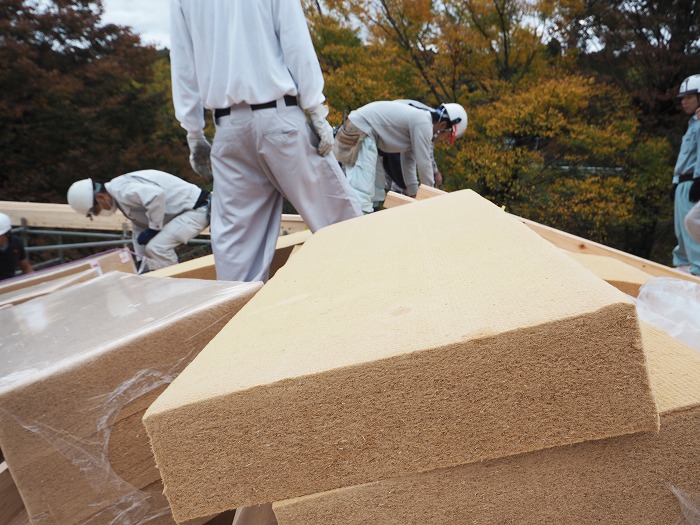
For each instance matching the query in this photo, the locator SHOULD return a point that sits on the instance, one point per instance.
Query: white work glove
(200, 156)
(323, 130)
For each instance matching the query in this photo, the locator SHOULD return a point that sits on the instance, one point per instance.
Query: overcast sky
(148, 18)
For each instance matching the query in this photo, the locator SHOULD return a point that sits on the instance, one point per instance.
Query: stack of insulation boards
(29, 286)
(78, 368)
(640, 479)
(423, 337)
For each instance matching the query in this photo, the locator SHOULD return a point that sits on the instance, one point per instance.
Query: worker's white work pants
(257, 157)
(255, 515)
(367, 176)
(160, 251)
(687, 252)
(692, 222)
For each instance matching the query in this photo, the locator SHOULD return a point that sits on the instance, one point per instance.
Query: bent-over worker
(393, 127)
(165, 211)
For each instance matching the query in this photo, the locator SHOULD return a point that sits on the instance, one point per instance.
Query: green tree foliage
(79, 100)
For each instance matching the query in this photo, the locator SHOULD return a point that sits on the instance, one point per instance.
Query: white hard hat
(457, 116)
(689, 86)
(5, 224)
(81, 196)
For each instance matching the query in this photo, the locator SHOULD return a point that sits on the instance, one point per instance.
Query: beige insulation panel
(622, 276)
(643, 479)
(420, 337)
(78, 368)
(203, 267)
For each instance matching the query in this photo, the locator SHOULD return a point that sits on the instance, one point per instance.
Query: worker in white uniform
(165, 211)
(393, 162)
(393, 127)
(253, 63)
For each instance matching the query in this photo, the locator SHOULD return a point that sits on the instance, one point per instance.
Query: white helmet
(81, 197)
(457, 116)
(5, 224)
(690, 86)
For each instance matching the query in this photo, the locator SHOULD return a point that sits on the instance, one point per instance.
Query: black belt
(202, 200)
(686, 177)
(289, 100)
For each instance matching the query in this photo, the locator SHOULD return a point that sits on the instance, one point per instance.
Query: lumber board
(62, 216)
(394, 199)
(573, 243)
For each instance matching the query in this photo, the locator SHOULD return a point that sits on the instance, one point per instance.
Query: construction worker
(13, 256)
(393, 162)
(393, 127)
(165, 211)
(253, 64)
(685, 190)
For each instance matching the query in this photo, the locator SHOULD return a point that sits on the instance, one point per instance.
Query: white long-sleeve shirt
(151, 198)
(226, 52)
(400, 128)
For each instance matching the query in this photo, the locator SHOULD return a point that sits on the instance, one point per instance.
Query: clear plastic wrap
(78, 368)
(672, 305)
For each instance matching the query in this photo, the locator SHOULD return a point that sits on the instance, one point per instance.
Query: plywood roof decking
(429, 335)
(616, 481)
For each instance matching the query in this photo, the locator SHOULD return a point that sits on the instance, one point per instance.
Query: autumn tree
(568, 152)
(79, 100)
(645, 47)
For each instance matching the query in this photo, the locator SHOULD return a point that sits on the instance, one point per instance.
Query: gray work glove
(323, 130)
(200, 156)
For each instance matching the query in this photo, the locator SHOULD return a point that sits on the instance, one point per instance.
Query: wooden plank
(394, 199)
(62, 216)
(576, 244)
(573, 243)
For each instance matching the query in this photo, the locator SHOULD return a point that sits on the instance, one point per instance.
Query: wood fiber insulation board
(114, 260)
(44, 288)
(616, 481)
(420, 337)
(11, 505)
(624, 277)
(81, 362)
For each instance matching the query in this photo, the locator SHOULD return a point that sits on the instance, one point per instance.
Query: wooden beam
(576, 244)
(62, 216)
(394, 199)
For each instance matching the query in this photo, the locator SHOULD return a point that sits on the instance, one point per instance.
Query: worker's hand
(672, 193)
(200, 156)
(694, 194)
(146, 235)
(438, 179)
(323, 130)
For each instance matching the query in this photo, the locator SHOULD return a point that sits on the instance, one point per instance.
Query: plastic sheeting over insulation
(77, 370)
